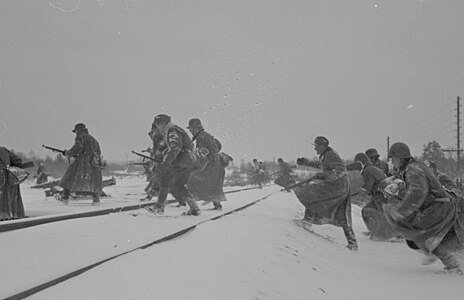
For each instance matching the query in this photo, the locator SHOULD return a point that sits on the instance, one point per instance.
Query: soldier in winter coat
(84, 173)
(178, 163)
(285, 173)
(374, 157)
(327, 197)
(426, 215)
(42, 174)
(372, 212)
(156, 151)
(207, 184)
(11, 202)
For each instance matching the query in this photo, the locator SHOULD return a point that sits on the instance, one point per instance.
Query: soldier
(372, 212)
(284, 174)
(11, 202)
(42, 174)
(207, 184)
(84, 174)
(258, 173)
(178, 162)
(374, 157)
(444, 180)
(326, 196)
(156, 151)
(426, 215)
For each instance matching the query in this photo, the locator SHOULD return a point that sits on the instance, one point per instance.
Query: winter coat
(382, 166)
(208, 183)
(83, 174)
(426, 213)
(372, 213)
(11, 202)
(327, 197)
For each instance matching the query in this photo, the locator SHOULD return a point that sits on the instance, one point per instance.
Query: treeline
(57, 165)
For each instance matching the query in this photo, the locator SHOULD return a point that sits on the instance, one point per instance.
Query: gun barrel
(144, 156)
(54, 149)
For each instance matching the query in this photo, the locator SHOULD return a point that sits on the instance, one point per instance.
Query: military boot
(451, 264)
(350, 237)
(96, 199)
(194, 210)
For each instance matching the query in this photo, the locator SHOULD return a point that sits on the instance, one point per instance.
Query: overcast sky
(265, 77)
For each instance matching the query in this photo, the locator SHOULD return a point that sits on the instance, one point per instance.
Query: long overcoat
(11, 202)
(426, 214)
(327, 198)
(372, 213)
(208, 183)
(83, 175)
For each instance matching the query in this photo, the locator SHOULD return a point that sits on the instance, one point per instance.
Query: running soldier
(177, 165)
(426, 215)
(372, 212)
(326, 195)
(284, 174)
(207, 185)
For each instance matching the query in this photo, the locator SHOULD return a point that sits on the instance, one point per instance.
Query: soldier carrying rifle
(84, 174)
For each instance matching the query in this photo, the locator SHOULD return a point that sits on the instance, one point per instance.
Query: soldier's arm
(175, 147)
(415, 194)
(15, 160)
(76, 149)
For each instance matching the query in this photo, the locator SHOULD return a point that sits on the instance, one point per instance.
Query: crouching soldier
(372, 212)
(426, 215)
(178, 162)
(326, 196)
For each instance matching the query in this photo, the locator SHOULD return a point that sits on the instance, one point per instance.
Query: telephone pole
(458, 149)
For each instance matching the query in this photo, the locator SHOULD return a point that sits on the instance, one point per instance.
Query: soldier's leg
(350, 237)
(449, 261)
(180, 191)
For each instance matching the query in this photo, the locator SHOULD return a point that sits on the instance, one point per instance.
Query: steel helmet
(372, 152)
(399, 150)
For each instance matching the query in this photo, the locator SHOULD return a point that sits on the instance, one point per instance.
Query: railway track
(175, 233)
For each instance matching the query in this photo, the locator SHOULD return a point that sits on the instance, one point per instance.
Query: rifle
(138, 164)
(301, 183)
(54, 149)
(57, 150)
(146, 156)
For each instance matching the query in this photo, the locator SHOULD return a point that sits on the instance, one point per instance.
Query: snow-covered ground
(254, 253)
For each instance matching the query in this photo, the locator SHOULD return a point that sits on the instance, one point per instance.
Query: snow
(255, 253)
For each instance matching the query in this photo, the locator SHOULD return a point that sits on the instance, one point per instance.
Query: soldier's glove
(302, 161)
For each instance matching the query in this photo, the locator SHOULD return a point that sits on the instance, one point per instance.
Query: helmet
(372, 152)
(161, 119)
(399, 150)
(195, 123)
(321, 140)
(361, 157)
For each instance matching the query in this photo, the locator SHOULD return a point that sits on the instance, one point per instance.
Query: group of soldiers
(190, 172)
(412, 201)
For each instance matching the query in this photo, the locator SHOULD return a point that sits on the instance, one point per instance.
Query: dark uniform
(426, 215)
(327, 197)
(84, 173)
(372, 212)
(11, 202)
(178, 163)
(207, 184)
(284, 178)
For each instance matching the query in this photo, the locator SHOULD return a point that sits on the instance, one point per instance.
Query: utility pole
(458, 149)
(388, 147)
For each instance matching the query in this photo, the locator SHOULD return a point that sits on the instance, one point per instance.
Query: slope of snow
(256, 253)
